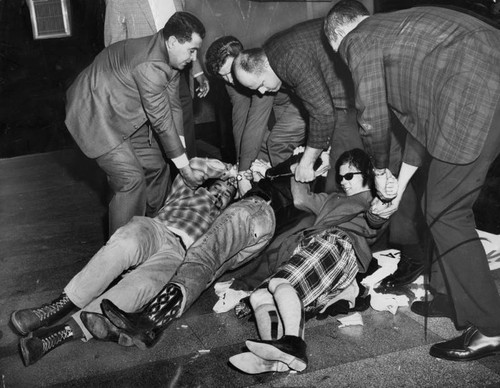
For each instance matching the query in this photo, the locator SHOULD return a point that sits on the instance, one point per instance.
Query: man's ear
(266, 63)
(340, 32)
(171, 41)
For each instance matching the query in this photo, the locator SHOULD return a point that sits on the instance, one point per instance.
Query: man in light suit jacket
(436, 70)
(129, 83)
(126, 19)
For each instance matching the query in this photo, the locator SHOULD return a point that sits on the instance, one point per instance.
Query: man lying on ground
(236, 237)
(149, 249)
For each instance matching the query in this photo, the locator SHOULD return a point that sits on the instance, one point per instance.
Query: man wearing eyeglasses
(252, 112)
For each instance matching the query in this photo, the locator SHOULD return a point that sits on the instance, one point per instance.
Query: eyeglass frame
(348, 176)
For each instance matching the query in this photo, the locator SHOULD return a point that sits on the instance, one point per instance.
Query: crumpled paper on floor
(387, 302)
(388, 262)
(351, 320)
(228, 298)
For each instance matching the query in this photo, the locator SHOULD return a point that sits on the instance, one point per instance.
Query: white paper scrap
(351, 320)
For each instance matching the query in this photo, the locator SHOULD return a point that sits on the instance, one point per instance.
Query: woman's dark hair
(182, 25)
(219, 51)
(360, 160)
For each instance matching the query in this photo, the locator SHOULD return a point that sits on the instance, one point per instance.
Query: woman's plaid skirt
(322, 266)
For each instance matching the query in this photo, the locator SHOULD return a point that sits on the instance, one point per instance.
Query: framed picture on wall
(50, 18)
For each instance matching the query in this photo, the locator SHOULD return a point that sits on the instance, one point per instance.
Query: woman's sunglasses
(347, 176)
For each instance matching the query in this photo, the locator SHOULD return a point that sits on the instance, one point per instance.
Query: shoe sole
(471, 358)
(139, 343)
(431, 315)
(18, 325)
(271, 353)
(24, 352)
(122, 338)
(143, 342)
(244, 365)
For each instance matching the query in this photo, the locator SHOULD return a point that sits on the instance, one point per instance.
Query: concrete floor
(52, 210)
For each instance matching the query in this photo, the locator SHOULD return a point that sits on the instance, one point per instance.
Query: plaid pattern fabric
(189, 211)
(321, 267)
(437, 69)
(303, 60)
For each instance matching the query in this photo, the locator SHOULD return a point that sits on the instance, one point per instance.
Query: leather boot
(38, 344)
(27, 320)
(409, 269)
(146, 327)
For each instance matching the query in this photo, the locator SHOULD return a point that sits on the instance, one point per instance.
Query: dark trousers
(408, 231)
(138, 176)
(187, 113)
(345, 137)
(460, 266)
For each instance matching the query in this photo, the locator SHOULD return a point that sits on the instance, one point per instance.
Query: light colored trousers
(238, 235)
(145, 250)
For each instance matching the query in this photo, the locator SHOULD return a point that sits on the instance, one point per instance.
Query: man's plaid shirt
(189, 213)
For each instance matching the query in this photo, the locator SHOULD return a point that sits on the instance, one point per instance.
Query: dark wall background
(34, 75)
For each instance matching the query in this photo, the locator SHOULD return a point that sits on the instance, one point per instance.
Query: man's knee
(128, 181)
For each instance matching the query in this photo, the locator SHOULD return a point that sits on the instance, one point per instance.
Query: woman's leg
(266, 315)
(289, 306)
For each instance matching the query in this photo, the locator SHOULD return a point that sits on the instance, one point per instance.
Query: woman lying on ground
(324, 261)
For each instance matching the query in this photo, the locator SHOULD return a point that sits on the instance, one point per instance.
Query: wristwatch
(239, 177)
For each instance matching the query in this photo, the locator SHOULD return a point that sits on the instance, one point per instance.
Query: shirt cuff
(197, 74)
(181, 161)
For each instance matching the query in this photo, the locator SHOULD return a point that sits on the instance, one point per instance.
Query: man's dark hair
(182, 25)
(345, 11)
(219, 51)
(252, 60)
(360, 160)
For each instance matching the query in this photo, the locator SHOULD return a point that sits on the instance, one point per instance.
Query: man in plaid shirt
(437, 70)
(148, 250)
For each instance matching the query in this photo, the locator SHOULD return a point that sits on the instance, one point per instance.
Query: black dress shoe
(408, 271)
(439, 307)
(102, 329)
(289, 349)
(471, 345)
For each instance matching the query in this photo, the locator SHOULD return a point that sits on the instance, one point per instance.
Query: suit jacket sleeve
(311, 87)
(161, 104)
(371, 104)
